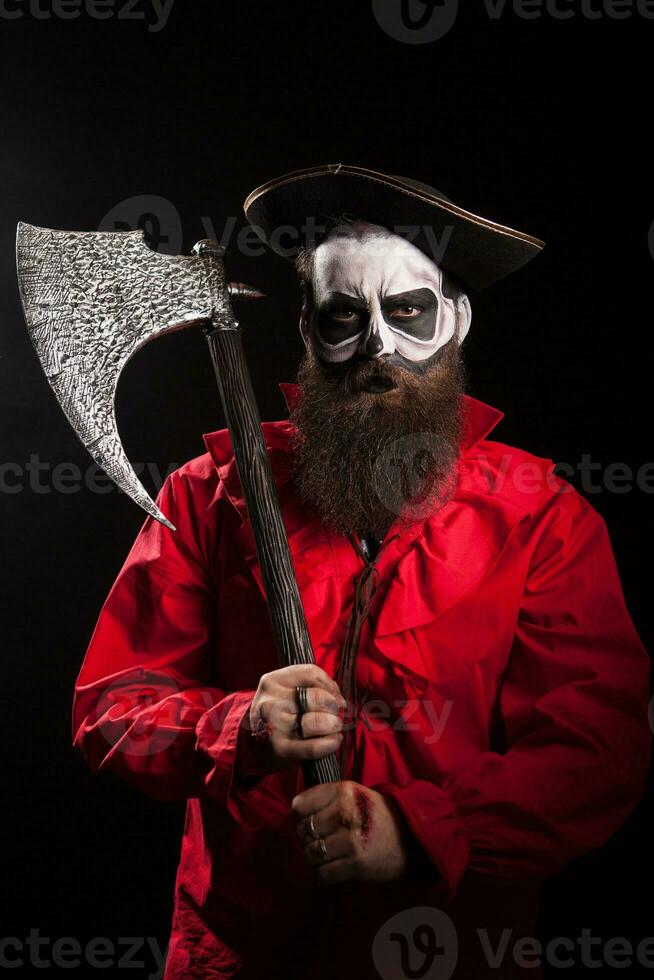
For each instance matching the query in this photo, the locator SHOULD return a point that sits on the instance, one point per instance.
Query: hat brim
(478, 252)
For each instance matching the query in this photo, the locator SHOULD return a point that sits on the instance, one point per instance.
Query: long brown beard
(365, 460)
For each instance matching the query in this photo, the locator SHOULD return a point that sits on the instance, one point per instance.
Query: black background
(541, 124)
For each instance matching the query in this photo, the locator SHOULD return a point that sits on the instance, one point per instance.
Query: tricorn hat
(298, 206)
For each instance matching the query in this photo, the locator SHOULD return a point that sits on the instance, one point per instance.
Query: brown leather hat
(292, 210)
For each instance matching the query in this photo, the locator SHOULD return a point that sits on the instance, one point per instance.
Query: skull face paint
(374, 294)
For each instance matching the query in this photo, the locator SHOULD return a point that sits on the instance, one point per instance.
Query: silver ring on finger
(302, 699)
(312, 829)
(322, 846)
(303, 707)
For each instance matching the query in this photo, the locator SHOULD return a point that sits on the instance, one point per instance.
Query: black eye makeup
(413, 312)
(341, 317)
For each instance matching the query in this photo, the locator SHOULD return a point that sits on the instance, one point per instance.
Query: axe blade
(91, 300)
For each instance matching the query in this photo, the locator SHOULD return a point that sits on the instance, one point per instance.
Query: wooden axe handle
(253, 464)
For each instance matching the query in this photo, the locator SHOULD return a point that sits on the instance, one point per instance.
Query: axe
(91, 300)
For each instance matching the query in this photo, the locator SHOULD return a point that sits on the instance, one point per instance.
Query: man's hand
(272, 742)
(361, 837)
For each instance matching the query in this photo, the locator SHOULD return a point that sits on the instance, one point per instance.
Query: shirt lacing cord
(366, 586)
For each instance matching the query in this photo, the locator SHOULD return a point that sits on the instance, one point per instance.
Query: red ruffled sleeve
(574, 705)
(144, 705)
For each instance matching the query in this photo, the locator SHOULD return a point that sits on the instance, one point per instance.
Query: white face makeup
(378, 295)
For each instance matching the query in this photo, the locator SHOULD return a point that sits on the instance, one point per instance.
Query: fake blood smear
(364, 811)
(262, 730)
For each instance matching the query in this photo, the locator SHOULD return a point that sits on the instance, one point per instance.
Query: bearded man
(477, 670)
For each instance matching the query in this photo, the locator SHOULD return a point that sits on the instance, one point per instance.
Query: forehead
(377, 262)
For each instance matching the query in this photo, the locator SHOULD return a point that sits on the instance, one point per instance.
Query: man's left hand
(350, 833)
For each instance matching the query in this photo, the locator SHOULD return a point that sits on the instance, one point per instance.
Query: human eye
(344, 315)
(406, 311)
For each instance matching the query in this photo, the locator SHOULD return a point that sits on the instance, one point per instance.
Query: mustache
(353, 379)
(341, 440)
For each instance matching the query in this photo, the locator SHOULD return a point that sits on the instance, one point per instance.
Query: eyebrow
(339, 299)
(422, 295)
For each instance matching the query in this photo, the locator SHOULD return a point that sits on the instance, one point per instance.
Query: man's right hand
(270, 742)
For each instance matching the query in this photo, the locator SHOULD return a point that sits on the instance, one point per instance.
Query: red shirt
(504, 709)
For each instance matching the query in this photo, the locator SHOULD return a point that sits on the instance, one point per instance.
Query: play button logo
(416, 21)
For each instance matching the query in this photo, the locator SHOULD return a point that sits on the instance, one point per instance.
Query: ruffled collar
(425, 569)
(480, 420)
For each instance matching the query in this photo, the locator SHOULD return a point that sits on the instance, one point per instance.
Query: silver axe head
(91, 300)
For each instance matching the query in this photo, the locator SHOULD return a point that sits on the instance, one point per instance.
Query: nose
(372, 345)
(376, 340)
